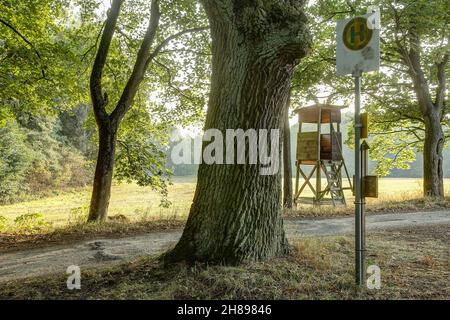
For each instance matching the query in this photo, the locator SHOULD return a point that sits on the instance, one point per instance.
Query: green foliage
(74, 129)
(31, 223)
(34, 160)
(47, 48)
(140, 153)
(55, 165)
(39, 55)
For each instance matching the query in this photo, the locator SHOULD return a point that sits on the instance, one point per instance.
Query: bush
(60, 167)
(78, 215)
(31, 222)
(15, 159)
(35, 160)
(3, 223)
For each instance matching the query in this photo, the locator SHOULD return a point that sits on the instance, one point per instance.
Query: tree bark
(101, 191)
(236, 211)
(287, 162)
(433, 175)
(103, 174)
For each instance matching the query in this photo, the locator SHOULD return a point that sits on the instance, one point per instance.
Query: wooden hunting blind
(320, 149)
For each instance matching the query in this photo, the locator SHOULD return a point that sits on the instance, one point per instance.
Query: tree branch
(440, 91)
(200, 53)
(333, 14)
(140, 65)
(83, 56)
(170, 83)
(403, 147)
(166, 41)
(21, 36)
(99, 100)
(7, 24)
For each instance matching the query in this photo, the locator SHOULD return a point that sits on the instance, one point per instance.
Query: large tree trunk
(103, 174)
(287, 162)
(235, 215)
(433, 176)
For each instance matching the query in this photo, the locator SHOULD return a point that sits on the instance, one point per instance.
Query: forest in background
(43, 155)
(411, 169)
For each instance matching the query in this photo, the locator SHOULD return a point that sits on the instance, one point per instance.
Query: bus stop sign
(358, 45)
(358, 51)
(356, 34)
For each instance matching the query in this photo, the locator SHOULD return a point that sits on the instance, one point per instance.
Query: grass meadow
(141, 203)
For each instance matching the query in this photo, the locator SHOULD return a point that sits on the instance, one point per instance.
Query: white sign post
(358, 51)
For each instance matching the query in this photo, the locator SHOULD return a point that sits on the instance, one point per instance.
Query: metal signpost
(358, 42)
(359, 212)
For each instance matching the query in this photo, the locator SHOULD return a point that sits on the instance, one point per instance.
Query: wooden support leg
(306, 183)
(296, 193)
(318, 182)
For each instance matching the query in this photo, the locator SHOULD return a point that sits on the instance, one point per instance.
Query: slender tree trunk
(103, 174)
(236, 211)
(287, 162)
(108, 124)
(433, 176)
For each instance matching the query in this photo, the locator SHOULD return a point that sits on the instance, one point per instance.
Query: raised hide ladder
(332, 170)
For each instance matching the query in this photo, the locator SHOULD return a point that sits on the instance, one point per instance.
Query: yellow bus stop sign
(356, 34)
(358, 44)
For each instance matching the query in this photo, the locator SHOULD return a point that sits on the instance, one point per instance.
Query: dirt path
(103, 252)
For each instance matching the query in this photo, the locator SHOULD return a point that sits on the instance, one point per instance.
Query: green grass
(141, 203)
(413, 263)
(130, 200)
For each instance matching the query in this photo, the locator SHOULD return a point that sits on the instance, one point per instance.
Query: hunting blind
(321, 151)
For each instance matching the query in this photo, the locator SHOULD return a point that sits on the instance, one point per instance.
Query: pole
(364, 173)
(359, 212)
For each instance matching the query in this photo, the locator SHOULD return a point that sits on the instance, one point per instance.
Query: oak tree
(235, 215)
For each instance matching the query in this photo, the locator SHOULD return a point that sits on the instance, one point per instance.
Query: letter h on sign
(359, 33)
